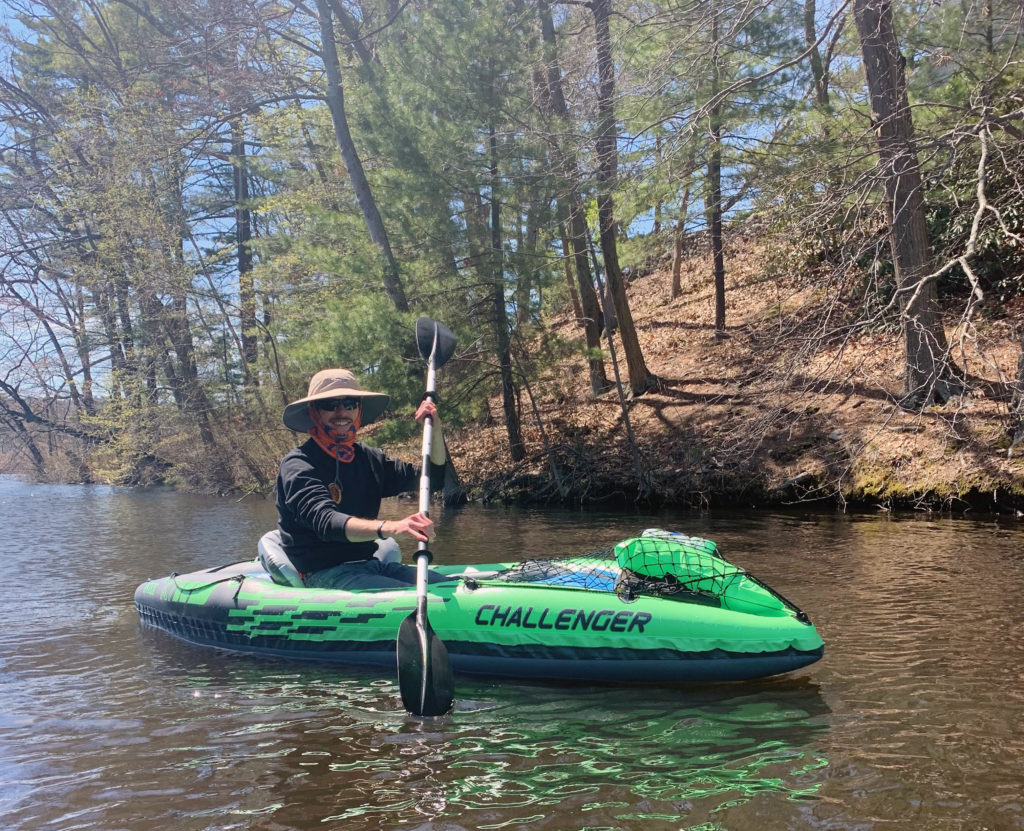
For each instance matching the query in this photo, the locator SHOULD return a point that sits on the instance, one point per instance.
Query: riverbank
(797, 406)
(794, 407)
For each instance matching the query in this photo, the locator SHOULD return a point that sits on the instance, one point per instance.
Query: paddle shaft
(424, 671)
(428, 442)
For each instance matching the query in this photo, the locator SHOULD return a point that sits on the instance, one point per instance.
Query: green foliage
(118, 207)
(643, 252)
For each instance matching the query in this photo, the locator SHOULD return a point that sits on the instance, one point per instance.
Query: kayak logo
(564, 620)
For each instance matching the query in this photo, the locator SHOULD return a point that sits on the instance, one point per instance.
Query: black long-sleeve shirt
(312, 525)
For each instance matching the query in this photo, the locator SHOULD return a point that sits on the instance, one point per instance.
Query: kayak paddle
(424, 671)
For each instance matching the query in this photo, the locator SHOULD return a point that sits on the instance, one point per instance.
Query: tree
(819, 64)
(367, 204)
(499, 312)
(640, 378)
(571, 212)
(104, 108)
(243, 250)
(713, 190)
(924, 340)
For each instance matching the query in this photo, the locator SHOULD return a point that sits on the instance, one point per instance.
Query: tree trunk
(528, 257)
(364, 196)
(174, 323)
(127, 337)
(24, 437)
(571, 204)
(593, 320)
(84, 356)
(640, 379)
(101, 302)
(924, 340)
(370, 64)
(678, 239)
(186, 385)
(714, 187)
(714, 201)
(500, 316)
(570, 278)
(658, 206)
(243, 247)
(818, 74)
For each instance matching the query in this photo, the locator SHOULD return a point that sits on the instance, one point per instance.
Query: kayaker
(329, 489)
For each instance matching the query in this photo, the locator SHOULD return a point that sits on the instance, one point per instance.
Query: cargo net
(660, 563)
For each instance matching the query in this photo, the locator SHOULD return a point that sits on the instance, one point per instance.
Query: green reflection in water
(652, 760)
(336, 748)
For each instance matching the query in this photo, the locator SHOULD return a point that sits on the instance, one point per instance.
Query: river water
(913, 720)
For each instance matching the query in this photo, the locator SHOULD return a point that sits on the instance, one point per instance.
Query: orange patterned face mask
(334, 444)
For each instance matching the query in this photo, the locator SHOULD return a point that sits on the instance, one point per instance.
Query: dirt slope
(777, 413)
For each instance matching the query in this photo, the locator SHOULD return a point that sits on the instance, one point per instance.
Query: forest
(681, 242)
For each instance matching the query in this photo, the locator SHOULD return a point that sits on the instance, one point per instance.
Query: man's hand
(427, 408)
(437, 451)
(418, 526)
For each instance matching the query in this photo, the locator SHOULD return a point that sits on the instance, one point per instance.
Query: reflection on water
(911, 721)
(658, 759)
(333, 745)
(591, 752)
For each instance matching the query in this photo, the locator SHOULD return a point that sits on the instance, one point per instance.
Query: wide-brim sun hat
(334, 383)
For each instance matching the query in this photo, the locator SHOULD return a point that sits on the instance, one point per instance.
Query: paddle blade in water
(424, 671)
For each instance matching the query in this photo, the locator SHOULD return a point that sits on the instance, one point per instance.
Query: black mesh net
(661, 563)
(596, 571)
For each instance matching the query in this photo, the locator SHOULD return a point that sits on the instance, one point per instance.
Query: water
(912, 721)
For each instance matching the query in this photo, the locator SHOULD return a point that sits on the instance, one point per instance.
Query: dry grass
(794, 405)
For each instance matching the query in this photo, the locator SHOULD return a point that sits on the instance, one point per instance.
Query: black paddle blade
(426, 329)
(424, 671)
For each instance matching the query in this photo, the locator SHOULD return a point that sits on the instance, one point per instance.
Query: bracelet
(380, 531)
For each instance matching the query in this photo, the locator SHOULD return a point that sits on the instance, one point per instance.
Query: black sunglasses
(330, 404)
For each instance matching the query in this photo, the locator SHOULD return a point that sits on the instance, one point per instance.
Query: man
(330, 488)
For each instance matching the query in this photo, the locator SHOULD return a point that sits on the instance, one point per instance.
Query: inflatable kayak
(658, 607)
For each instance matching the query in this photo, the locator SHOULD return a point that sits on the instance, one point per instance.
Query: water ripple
(911, 721)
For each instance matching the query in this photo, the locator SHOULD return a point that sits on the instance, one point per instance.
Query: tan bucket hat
(334, 383)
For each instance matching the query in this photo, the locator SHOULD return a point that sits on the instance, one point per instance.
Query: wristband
(380, 531)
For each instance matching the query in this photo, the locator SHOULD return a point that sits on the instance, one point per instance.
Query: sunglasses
(331, 404)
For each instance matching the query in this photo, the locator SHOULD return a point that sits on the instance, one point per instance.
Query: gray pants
(368, 574)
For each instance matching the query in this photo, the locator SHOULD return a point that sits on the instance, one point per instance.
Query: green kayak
(654, 608)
